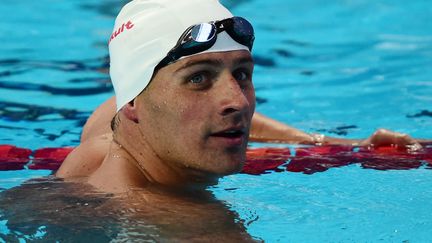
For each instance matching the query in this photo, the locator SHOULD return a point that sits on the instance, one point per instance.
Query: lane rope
(307, 160)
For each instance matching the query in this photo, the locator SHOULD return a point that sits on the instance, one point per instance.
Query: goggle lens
(201, 37)
(243, 30)
(203, 32)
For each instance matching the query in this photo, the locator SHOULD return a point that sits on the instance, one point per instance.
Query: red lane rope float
(49, 158)
(307, 160)
(311, 160)
(13, 158)
(261, 160)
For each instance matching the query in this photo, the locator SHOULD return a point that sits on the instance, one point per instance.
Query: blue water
(342, 68)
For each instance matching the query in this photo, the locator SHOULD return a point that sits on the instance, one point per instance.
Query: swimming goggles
(201, 37)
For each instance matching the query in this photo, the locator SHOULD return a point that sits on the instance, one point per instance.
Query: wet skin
(196, 113)
(189, 127)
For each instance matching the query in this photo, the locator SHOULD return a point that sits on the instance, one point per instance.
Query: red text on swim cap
(129, 25)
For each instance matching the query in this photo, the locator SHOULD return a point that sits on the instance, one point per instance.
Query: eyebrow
(244, 60)
(214, 62)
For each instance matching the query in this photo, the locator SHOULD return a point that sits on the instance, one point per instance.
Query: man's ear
(130, 111)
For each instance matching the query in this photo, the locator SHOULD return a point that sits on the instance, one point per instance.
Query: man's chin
(229, 166)
(216, 164)
(222, 169)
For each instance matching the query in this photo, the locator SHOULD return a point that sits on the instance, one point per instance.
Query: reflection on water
(47, 209)
(52, 210)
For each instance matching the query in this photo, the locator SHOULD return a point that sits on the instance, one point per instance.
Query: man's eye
(201, 79)
(197, 79)
(241, 75)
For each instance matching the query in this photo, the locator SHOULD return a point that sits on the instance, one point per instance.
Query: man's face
(196, 113)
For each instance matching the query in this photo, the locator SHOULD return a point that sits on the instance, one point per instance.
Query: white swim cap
(146, 30)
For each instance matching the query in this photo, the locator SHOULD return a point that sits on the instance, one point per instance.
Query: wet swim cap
(146, 30)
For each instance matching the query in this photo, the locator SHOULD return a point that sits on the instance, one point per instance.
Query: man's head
(196, 111)
(145, 31)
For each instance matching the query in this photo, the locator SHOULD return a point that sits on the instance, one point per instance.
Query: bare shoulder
(85, 158)
(99, 123)
(95, 141)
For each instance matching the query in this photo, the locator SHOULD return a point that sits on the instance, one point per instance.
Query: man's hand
(383, 137)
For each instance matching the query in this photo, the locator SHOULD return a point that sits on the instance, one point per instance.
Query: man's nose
(233, 97)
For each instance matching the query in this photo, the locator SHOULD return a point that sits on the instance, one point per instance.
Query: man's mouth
(234, 133)
(231, 137)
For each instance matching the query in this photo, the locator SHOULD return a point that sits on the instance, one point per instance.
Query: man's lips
(232, 137)
(230, 133)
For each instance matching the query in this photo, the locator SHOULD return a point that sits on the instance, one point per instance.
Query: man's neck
(131, 163)
(116, 173)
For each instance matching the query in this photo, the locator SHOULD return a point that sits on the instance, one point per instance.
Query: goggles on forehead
(201, 37)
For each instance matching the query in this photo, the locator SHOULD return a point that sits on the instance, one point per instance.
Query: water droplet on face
(156, 107)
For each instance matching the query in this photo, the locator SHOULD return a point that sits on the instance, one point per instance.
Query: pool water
(343, 68)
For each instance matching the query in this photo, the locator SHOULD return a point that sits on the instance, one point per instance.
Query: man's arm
(263, 129)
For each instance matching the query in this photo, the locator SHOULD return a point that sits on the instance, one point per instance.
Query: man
(181, 121)
(184, 118)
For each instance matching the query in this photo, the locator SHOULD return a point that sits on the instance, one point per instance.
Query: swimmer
(184, 106)
(182, 116)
